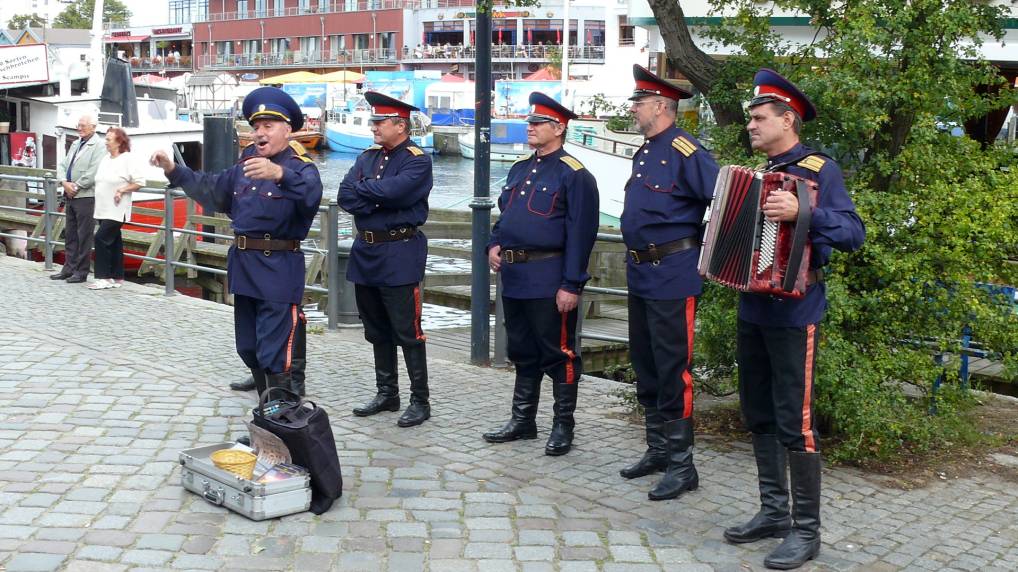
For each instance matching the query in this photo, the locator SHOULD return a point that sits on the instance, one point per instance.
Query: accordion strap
(781, 166)
(799, 237)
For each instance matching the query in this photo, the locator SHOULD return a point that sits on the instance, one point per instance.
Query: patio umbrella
(343, 76)
(293, 77)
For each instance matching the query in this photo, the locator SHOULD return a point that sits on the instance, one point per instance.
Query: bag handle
(265, 394)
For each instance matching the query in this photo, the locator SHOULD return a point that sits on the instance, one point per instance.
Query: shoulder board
(415, 151)
(813, 163)
(684, 146)
(305, 158)
(298, 148)
(373, 148)
(522, 158)
(572, 162)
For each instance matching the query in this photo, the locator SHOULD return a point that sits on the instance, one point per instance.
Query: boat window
(357, 121)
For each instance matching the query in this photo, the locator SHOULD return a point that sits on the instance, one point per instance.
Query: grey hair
(403, 120)
(91, 117)
(671, 106)
(781, 107)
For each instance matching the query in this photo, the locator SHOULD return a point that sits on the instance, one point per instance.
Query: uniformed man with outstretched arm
(777, 337)
(387, 191)
(670, 187)
(271, 196)
(541, 246)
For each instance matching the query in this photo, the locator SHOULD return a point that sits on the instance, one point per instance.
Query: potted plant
(5, 119)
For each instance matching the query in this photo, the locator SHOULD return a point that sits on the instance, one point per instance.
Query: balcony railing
(340, 6)
(536, 52)
(159, 63)
(340, 58)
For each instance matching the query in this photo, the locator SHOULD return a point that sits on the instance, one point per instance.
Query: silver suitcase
(257, 501)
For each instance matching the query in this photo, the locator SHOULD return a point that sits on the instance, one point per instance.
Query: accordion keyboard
(768, 238)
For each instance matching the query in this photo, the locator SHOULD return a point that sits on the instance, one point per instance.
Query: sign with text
(24, 64)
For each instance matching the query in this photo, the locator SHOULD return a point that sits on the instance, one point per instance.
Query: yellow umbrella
(343, 76)
(293, 77)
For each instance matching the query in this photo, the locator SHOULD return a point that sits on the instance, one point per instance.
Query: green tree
(79, 14)
(22, 21)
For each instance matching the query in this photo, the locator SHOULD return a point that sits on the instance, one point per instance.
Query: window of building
(627, 33)
(279, 45)
(593, 32)
(439, 33)
(546, 32)
(337, 43)
(241, 8)
(224, 48)
(280, 6)
(259, 6)
(309, 46)
(303, 5)
(360, 41)
(203, 11)
(180, 11)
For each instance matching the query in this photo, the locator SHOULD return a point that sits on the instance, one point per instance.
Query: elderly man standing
(272, 195)
(670, 187)
(77, 176)
(387, 192)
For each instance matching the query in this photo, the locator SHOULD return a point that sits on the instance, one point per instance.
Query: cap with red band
(544, 108)
(770, 86)
(648, 84)
(385, 107)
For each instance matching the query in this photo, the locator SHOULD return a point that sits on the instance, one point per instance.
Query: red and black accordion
(742, 249)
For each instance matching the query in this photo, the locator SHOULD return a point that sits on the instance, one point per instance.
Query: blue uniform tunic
(671, 185)
(835, 224)
(548, 203)
(283, 210)
(386, 190)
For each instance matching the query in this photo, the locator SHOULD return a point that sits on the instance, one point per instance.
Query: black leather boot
(680, 476)
(772, 473)
(656, 457)
(526, 395)
(246, 385)
(300, 353)
(297, 375)
(803, 542)
(387, 398)
(259, 381)
(560, 441)
(284, 380)
(419, 410)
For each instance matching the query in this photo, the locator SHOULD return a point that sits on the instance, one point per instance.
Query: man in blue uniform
(778, 337)
(671, 185)
(541, 245)
(387, 191)
(271, 195)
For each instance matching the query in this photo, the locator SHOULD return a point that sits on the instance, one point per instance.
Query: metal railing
(169, 63)
(501, 52)
(338, 6)
(341, 307)
(378, 56)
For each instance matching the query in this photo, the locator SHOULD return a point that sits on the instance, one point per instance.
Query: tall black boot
(297, 375)
(526, 395)
(387, 398)
(772, 472)
(561, 439)
(419, 410)
(258, 378)
(680, 476)
(284, 380)
(656, 457)
(803, 543)
(300, 353)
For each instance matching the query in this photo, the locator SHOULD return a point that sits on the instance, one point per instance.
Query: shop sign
(164, 31)
(24, 64)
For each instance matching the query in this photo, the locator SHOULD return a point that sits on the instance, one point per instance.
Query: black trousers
(266, 333)
(391, 314)
(661, 350)
(109, 250)
(78, 233)
(541, 340)
(776, 371)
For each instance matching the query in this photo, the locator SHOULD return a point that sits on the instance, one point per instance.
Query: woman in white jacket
(119, 175)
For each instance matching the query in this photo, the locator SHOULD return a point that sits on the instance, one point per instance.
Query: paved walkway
(99, 391)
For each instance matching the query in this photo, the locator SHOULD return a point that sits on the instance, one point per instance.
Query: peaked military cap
(770, 86)
(385, 107)
(272, 103)
(544, 108)
(649, 84)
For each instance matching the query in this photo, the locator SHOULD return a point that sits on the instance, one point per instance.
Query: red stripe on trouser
(289, 340)
(564, 346)
(417, 314)
(687, 378)
(807, 394)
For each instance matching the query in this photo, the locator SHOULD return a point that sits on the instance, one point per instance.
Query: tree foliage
(22, 21)
(941, 213)
(79, 14)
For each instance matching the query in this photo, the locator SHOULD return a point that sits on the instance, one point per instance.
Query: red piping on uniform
(807, 394)
(417, 314)
(289, 340)
(564, 346)
(687, 379)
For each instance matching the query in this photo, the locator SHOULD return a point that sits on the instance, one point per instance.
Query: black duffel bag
(304, 428)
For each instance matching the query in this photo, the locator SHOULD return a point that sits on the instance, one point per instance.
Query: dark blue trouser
(266, 333)
(661, 351)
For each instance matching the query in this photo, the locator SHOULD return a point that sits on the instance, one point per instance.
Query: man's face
(270, 136)
(766, 127)
(85, 127)
(541, 134)
(388, 132)
(645, 111)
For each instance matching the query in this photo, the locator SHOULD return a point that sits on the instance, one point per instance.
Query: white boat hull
(506, 152)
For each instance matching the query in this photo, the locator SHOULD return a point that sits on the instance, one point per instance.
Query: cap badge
(261, 107)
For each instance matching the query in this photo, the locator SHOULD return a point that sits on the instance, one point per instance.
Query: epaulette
(373, 148)
(684, 146)
(522, 158)
(572, 162)
(415, 151)
(813, 163)
(300, 152)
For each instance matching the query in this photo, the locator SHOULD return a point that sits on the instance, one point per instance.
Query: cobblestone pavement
(99, 391)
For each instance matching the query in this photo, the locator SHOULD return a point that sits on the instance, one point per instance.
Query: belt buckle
(268, 238)
(241, 242)
(635, 256)
(369, 237)
(510, 256)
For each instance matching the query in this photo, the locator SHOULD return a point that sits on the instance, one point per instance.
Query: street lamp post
(480, 289)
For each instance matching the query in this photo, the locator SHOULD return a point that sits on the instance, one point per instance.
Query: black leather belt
(375, 236)
(655, 252)
(266, 244)
(520, 255)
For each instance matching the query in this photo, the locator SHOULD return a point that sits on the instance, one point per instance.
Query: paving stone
(34, 562)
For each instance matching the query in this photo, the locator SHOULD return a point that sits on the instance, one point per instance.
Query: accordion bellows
(743, 250)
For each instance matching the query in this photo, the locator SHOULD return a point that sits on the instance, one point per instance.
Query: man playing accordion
(778, 337)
